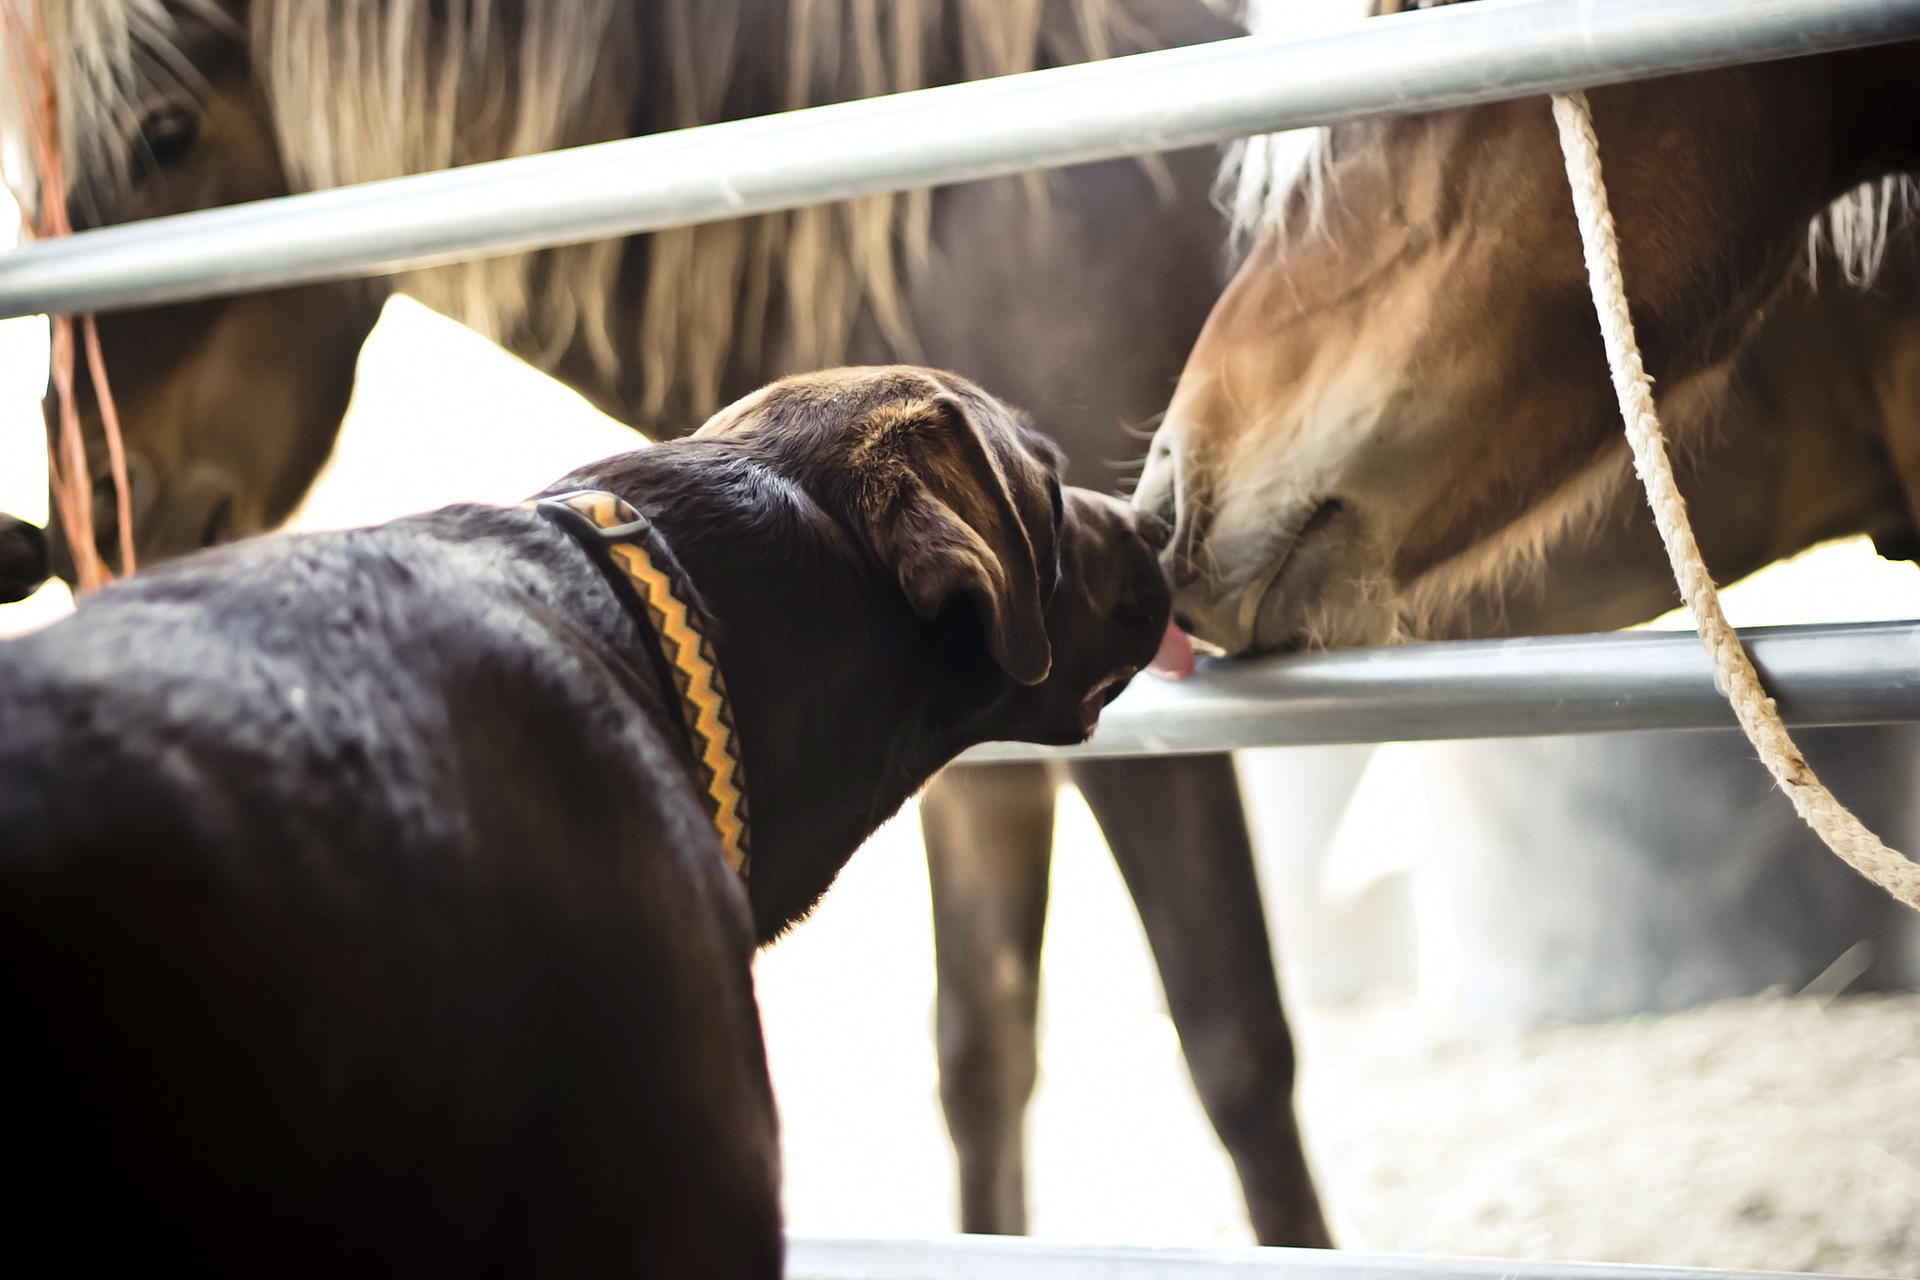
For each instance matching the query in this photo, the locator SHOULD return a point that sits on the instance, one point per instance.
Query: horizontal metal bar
(1447, 56)
(1861, 673)
(1005, 1258)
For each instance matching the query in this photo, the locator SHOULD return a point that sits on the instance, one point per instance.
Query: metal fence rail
(1858, 673)
(1005, 1258)
(1443, 57)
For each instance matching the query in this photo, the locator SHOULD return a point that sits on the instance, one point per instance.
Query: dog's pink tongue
(1174, 661)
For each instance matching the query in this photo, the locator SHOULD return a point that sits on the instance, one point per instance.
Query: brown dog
(363, 907)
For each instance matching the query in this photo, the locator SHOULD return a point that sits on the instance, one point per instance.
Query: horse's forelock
(1261, 176)
(1854, 229)
(110, 59)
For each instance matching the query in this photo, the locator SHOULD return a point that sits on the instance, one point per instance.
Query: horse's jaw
(1280, 541)
(1318, 584)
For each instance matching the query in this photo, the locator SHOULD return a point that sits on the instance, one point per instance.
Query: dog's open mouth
(1173, 661)
(1099, 696)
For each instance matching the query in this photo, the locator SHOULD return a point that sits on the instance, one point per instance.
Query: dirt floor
(1773, 1134)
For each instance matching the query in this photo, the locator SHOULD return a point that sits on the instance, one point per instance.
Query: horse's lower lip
(1261, 603)
(1253, 604)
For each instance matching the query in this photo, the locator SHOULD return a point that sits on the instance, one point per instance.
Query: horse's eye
(167, 134)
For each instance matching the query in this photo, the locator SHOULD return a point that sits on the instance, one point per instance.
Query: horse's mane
(368, 89)
(1259, 175)
(1277, 183)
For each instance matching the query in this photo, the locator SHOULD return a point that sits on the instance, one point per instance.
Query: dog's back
(355, 927)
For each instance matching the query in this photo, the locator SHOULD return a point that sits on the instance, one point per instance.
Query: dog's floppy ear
(940, 507)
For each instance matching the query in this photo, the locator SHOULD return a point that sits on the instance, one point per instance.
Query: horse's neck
(1810, 432)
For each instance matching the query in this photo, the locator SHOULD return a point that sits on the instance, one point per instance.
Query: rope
(1843, 833)
(23, 35)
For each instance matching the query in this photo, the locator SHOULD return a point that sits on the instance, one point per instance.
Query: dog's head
(960, 501)
(893, 573)
(1106, 617)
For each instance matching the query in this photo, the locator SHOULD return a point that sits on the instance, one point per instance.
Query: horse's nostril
(1157, 502)
(1322, 516)
(215, 529)
(1157, 532)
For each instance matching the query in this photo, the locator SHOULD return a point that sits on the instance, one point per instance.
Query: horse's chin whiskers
(1494, 566)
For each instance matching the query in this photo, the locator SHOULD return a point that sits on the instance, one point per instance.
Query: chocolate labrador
(383, 902)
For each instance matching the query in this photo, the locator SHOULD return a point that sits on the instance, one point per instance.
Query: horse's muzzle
(23, 559)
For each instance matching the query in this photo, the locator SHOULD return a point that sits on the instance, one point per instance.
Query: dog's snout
(24, 563)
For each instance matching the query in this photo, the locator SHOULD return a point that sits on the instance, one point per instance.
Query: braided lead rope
(1858, 847)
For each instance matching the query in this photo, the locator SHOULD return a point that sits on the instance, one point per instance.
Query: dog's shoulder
(460, 679)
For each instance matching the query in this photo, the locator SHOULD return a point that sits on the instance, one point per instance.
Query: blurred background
(1463, 1090)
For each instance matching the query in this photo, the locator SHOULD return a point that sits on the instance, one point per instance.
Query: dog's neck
(846, 702)
(649, 578)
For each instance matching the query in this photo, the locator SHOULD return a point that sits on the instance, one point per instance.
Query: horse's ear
(944, 514)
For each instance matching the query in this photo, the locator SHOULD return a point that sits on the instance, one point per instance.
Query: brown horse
(1401, 399)
(1077, 296)
(1398, 423)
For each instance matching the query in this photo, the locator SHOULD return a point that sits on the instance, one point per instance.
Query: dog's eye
(167, 134)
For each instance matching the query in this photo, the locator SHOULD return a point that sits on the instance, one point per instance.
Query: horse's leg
(989, 836)
(1176, 828)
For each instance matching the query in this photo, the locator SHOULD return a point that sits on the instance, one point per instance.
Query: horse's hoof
(23, 559)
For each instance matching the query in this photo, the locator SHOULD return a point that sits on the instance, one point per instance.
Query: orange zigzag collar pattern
(613, 529)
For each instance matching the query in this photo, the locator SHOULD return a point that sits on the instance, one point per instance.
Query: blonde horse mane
(1277, 184)
(369, 89)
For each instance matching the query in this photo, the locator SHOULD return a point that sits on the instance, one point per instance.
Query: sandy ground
(1774, 1133)
(1767, 1134)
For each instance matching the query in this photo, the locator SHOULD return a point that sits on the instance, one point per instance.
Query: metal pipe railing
(1858, 673)
(1443, 57)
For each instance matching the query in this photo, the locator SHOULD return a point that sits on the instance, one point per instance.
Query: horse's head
(1404, 389)
(228, 406)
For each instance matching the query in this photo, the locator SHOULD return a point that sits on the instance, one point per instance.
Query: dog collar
(621, 538)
